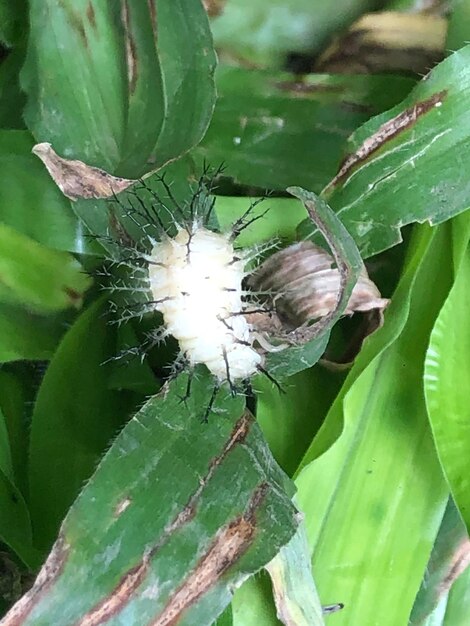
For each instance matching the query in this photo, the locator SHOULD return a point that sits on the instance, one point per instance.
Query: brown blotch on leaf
(153, 18)
(90, 13)
(77, 179)
(121, 506)
(75, 21)
(48, 574)
(459, 563)
(131, 49)
(386, 132)
(214, 7)
(74, 296)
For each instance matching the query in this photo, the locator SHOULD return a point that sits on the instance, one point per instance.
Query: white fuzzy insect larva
(196, 282)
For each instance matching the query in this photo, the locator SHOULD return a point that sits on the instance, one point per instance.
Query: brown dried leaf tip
(77, 179)
(213, 7)
(305, 286)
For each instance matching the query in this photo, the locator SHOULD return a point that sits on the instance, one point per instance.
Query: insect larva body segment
(197, 279)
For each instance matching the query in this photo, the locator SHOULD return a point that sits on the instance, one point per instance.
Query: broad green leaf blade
(75, 77)
(36, 276)
(403, 164)
(168, 476)
(144, 86)
(290, 420)
(74, 418)
(30, 202)
(272, 131)
(446, 379)
(188, 64)
(24, 335)
(294, 589)
(130, 70)
(349, 263)
(364, 477)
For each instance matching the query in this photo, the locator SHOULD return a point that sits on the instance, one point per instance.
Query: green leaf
(12, 100)
(447, 375)
(290, 420)
(200, 533)
(75, 79)
(402, 164)
(280, 221)
(364, 477)
(458, 604)
(458, 31)
(31, 203)
(128, 76)
(188, 64)
(24, 335)
(263, 32)
(12, 404)
(74, 418)
(272, 131)
(13, 21)
(15, 526)
(36, 276)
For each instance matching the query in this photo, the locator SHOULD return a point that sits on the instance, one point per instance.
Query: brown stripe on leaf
(90, 13)
(230, 543)
(388, 130)
(131, 50)
(113, 603)
(118, 598)
(238, 434)
(460, 562)
(48, 574)
(75, 20)
(299, 88)
(153, 18)
(74, 296)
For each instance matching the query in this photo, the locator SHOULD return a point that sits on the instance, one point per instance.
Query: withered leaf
(306, 285)
(77, 179)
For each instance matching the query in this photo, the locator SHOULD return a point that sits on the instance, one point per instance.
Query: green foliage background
(377, 454)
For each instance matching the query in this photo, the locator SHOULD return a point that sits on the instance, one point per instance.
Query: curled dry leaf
(77, 179)
(305, 287)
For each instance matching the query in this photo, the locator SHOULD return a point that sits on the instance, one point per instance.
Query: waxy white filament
(196, 281)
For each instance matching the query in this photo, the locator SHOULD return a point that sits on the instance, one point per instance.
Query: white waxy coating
(199, 289)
